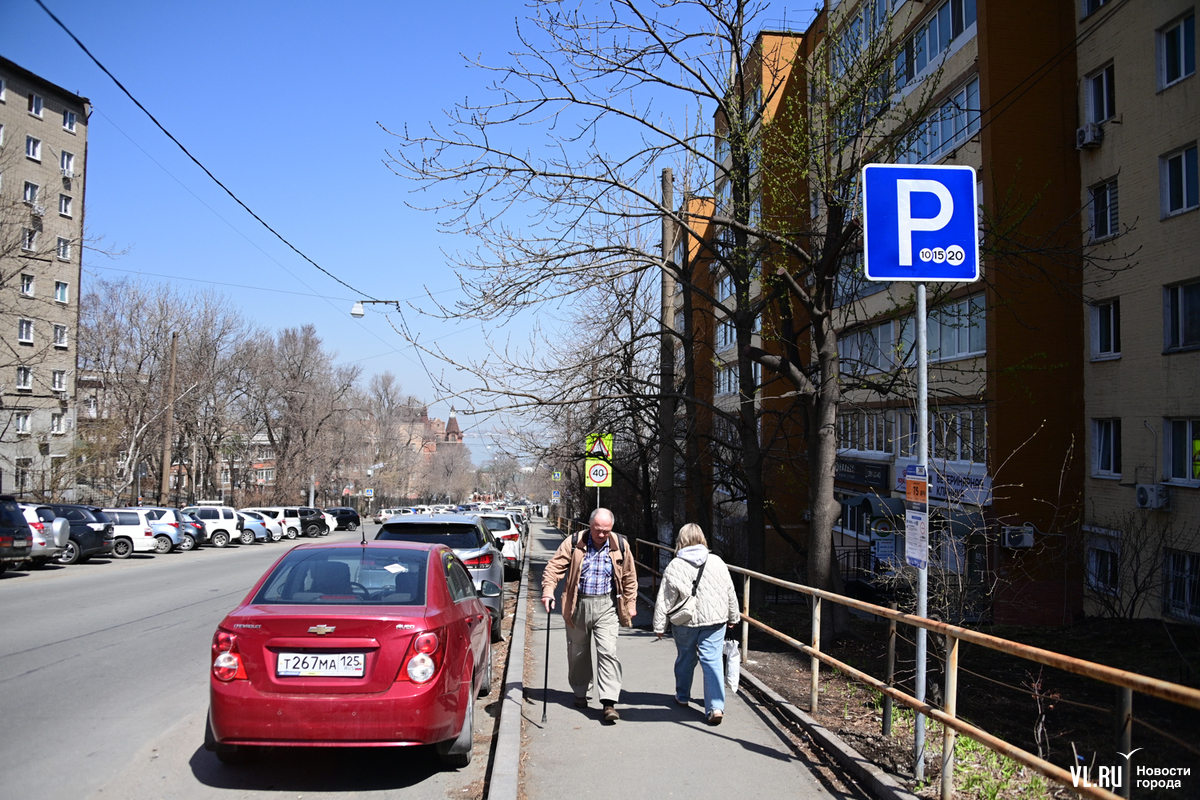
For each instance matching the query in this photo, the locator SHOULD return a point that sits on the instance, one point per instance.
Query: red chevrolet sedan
(381, 644)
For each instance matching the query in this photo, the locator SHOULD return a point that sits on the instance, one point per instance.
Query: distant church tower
(453, 433)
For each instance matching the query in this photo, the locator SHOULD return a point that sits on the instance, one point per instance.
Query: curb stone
(506, 761)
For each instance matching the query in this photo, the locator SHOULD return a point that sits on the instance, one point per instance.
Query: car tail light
(511, 537)
(6, 541)
(40, 527)
(480, 561)
(174, 525)
(227, 662)
(148, 532)
(424, 658)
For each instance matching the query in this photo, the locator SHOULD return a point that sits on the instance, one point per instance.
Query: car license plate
(320, 665)
(20, 542)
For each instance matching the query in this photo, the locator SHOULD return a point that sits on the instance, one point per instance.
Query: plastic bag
(733, 664)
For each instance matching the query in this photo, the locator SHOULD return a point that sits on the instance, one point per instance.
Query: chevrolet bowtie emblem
(321, 630)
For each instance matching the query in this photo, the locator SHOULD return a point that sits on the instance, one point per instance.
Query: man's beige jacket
(568, 560)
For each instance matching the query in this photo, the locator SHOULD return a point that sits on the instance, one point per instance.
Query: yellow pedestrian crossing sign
(599, 445)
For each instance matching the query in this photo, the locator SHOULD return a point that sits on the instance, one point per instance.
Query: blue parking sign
(920, 223)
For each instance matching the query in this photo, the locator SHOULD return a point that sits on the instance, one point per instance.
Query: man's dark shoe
(581, 702)
(610, 714)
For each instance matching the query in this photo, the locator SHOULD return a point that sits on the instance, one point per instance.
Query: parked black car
(347, 518)
(312, 522)
(16, 540)
(91, 532)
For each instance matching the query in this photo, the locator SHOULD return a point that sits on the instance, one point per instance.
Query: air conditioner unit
(39, 211)
(67, 172)
(61, 395)
(1151, 495)
(1090, 135)
(1016, 537)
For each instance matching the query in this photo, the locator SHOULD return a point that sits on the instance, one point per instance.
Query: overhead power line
(195, 160)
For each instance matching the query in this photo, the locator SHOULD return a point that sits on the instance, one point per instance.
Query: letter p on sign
(920, 223)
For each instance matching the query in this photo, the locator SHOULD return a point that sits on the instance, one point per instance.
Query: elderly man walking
(600, 594)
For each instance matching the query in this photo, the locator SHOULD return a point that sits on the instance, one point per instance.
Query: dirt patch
(996, 693)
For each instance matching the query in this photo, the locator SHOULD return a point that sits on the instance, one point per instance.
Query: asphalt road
(104, 690)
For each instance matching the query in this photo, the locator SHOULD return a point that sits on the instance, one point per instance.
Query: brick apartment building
(1064, 403)
(43, 162)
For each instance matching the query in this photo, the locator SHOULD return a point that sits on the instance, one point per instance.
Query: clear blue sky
(282, 101)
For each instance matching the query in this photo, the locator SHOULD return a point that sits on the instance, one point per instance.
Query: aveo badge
(920, 223)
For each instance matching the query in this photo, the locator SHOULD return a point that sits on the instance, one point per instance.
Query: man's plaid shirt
(596, 577)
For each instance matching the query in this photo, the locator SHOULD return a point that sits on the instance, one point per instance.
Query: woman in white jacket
(704, 637)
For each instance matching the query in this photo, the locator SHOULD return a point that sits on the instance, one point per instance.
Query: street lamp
(357, 311)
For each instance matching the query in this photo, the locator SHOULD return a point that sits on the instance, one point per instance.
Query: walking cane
(546, 679)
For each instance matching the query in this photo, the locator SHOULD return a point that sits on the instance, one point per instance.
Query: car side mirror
(488, 589)
(61, 530)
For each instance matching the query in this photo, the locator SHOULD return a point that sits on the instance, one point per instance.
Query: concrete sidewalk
(658, 749)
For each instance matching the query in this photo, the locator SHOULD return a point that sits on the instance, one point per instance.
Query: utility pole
(666, 401)
(168, 418)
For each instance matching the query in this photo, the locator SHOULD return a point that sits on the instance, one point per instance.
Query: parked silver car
(45, 546)
(136, 530)
(470, 540)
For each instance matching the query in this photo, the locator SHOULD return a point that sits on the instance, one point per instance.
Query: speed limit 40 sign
(598, 473)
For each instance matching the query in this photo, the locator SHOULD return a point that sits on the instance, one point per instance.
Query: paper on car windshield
(394, 568)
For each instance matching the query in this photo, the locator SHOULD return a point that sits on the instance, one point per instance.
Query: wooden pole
(164, 490)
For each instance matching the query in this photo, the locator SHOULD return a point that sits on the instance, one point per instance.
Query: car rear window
(11, 516)
(349, 576)
(457, 537)
(496, 524)
(125, 517)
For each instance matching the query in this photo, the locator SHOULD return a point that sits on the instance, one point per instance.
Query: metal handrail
(1128, 681)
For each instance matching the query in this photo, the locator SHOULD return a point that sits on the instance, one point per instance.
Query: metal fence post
(889, 673)
(745, 625)
(813, 660)
(1125, 736)
(950, 705)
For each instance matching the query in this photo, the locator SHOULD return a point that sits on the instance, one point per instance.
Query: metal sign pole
(922, 572)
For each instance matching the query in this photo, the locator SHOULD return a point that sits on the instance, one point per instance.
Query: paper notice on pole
(916, 538)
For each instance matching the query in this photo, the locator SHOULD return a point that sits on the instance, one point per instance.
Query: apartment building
(43, 160)
(1139, 120)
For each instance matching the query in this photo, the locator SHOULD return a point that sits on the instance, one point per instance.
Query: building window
(2, 87)
(25, 378)
(1179, 181)
(25, 331)
(1104, 210)
(867, 431)
(60, 335)
(1092, 6)
(56, 423)
(58, 380)
(1106, 447)
(726, 334)
(33, 148)
(947, 127)
(28, 239)
(64, 205)
(1104, 554)
(727, 379)
(1182, 316)
(1182, 450)
(941, 28)
(1181, 584)
(27, 285)
(1101, 95)
(958, 434)
(60, 291)
(725, 287)
(69, 120)
(21, 423)
(1177, 50)
(64, 248)
(67, 162)
(957, 330)
(868, 349)
(35, 104)
(1106, 329)
(1, 134)
(30, 195)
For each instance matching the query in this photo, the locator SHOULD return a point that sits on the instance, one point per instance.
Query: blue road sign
(920, 223)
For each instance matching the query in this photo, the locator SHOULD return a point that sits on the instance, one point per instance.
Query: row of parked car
(31, 534)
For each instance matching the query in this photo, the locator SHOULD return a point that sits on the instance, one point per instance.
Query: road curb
(506, 759)
(879, 783)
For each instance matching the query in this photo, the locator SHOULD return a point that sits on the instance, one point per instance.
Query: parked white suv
(135, 532)
(40, 519)
(221, 522)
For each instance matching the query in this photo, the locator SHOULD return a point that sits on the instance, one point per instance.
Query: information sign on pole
(554, 495)
(368, 492)
(599, 446)
(916, 516)
(556, 476)
(598, 473)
